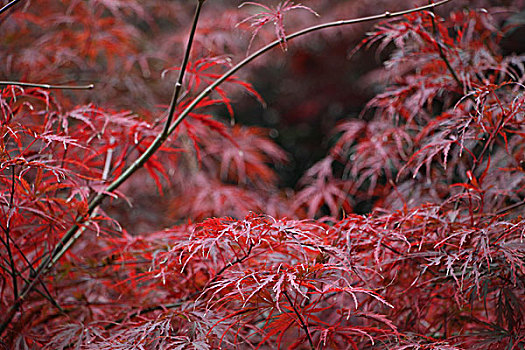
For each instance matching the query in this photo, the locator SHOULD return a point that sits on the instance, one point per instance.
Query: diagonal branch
(8, 6)
(442, 54)
(304, 326)
(178, 84)
(77, 229)
(45, 294)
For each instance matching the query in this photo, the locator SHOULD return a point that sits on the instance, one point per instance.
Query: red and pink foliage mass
(119, 230)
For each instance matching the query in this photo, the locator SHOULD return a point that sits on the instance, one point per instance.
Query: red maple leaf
(272, 14)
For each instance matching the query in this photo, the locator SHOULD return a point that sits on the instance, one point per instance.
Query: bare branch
(8, 6)
(304, 326)
(49, 86)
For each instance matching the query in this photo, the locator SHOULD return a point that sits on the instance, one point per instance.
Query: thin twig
(153, 308)
(230, 264)
(49, 86)
(509, 208)
(301, 321)
(71, 236)
(31, 273)
(442, 54)
(182, 71)
(8, 234)
(48, 296)
(12, 270)
(188, 297)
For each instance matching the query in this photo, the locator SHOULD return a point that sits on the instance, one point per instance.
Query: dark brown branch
(442, 54)
(301, 321)
(8, 235)
(230, 264)
(182, 71)
(49, 86)
(510, 207)
(8, 6)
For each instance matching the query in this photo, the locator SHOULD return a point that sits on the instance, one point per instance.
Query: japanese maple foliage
(133, 227)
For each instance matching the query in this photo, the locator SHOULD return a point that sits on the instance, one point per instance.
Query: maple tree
(128, 223)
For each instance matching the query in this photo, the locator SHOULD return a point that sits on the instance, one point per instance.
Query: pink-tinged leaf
(273, 15)
(64, 140)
